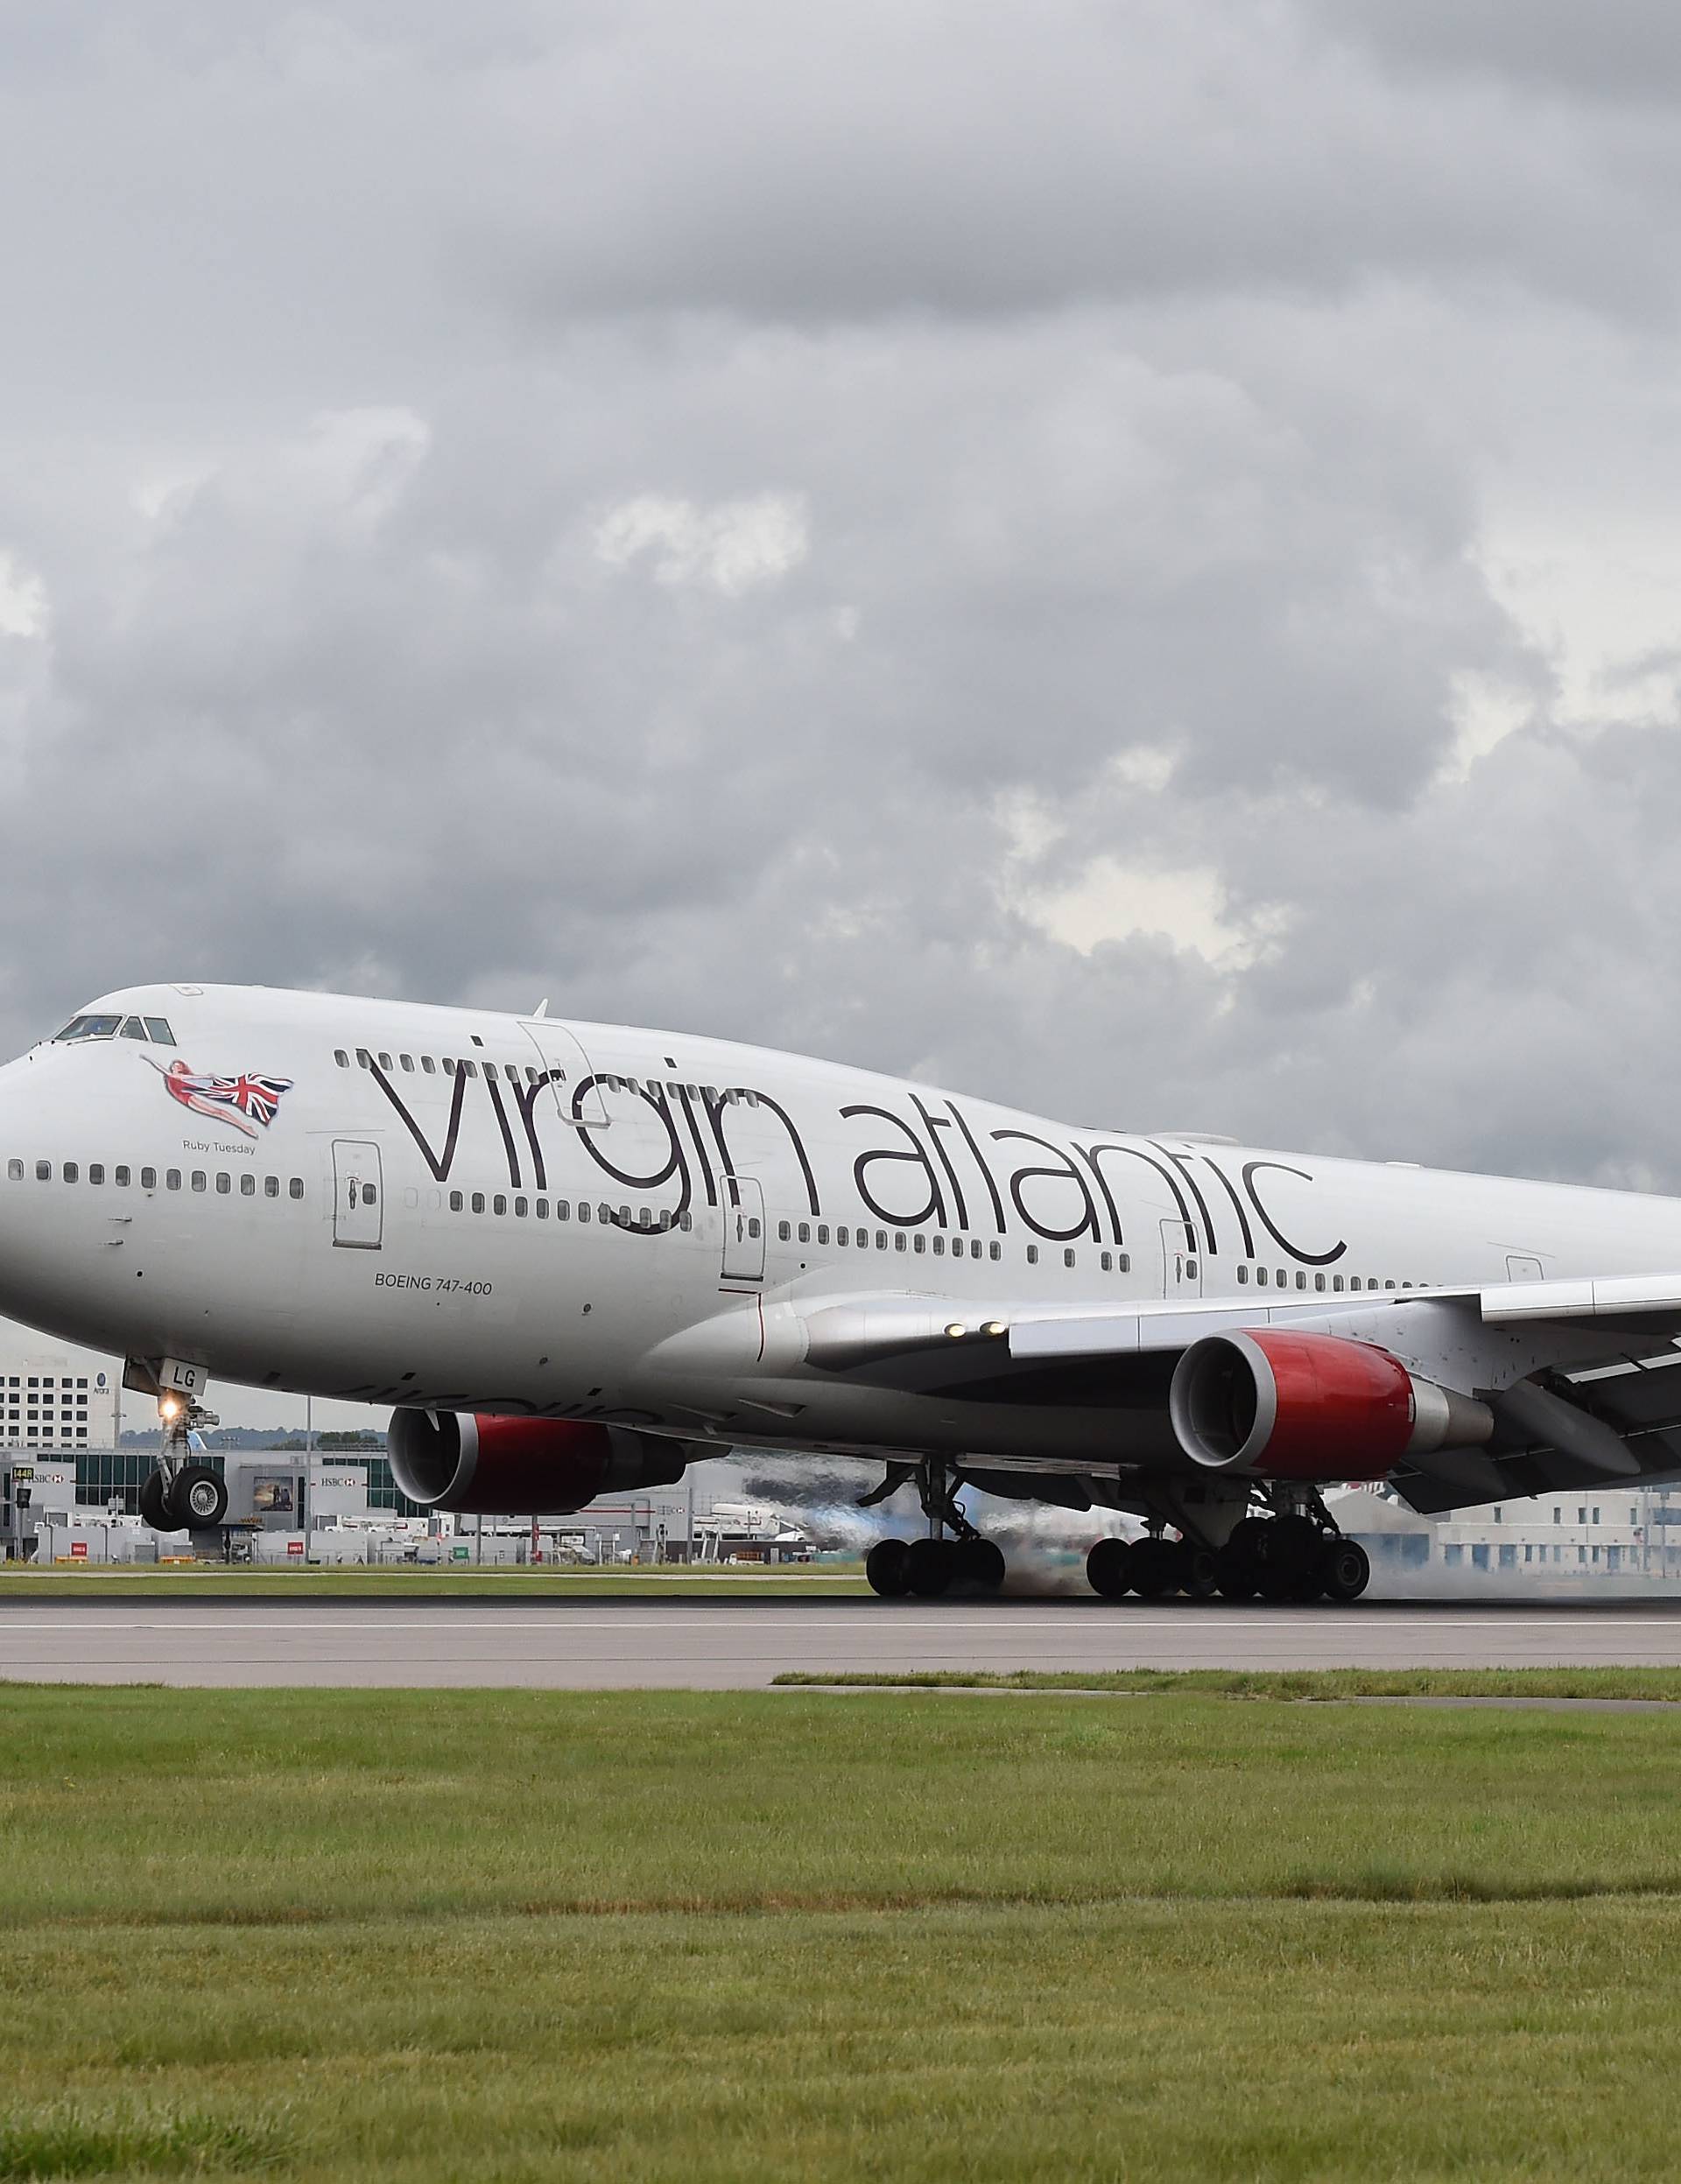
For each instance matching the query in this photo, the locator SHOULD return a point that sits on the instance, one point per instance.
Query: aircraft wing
(1585, 1374)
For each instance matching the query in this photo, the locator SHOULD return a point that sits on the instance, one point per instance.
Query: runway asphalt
(685, 1643)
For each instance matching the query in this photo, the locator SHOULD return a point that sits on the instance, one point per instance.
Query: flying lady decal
(249, 1104)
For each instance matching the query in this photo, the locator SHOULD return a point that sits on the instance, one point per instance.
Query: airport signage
(294, 1546)
(79, 1550)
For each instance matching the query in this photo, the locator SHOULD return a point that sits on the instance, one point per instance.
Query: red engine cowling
(498, 1467)
(1285, 1404)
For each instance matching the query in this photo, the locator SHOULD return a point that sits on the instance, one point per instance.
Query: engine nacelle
(1285, 1404)
(505, 1467)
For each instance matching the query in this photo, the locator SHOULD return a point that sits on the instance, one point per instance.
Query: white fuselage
(464, 1210)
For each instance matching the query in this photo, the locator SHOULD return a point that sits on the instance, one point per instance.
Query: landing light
(994, 1327)
(956, 1327)
(169, 1407)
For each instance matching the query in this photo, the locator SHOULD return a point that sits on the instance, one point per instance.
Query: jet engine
(1282, 1403)
(498, 1467)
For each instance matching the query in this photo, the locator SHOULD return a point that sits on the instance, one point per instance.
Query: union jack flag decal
(249, 1103)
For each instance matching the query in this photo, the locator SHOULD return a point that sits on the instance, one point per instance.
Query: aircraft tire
(1345, 1571)
(1154, 1568)
(981, 1563)
(1199, 1572)
(198, 1500)
(154, 1504)
(887, 1569)
(1109, 1569)
(930, 1565)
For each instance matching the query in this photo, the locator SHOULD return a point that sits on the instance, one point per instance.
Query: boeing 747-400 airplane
(575, 1257)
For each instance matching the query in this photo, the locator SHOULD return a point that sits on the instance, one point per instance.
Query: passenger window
(449, 1066)
(522, 1207)
(753, 1224)
(173, 1179)
(784, 1232)
(1243, 1277)
(939, 1247)
(95, 1172)
(405, 1063)
(994, 1251)
(1336, 1283)
(341, 1057)
(370, 1194)
(499, 1204)
(919, 1242)
(296, 1187)
(1261, 1277)
(1389, 1285)
(478, 1202)
(1124, 1262)
(200, 1181)
(1318, 1282)
(685, 1221)
(454, 1201)
(224, 1183)
(1032, 1254)
(881, 1240)
(120, 1177)
(1104, 1264)
(72, 1171)
(133, 1028)
(428, 1067)
(823, 1233)
(843, 1235)
(1301, 1280)
(248, 1185)
(15, 1170)
(271, 1186)
(583, 1209)
(541, 1209)
(147, 1179)
(1068, 1257)
(562, 1210)
(899, 1239)
(804, 1231)
(161, 1034)
(471, 1067)
(364, 1060)
(1284, 1277)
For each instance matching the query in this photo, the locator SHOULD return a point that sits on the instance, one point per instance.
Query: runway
(685, 1643)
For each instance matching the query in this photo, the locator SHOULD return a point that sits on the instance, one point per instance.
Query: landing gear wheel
(1199, 1573)
(980, 1562)
(154, 1504)
(198, 1500)
(887, 1569)
(1345, 1571)
(1154, 1568)
(1109, 1569)
(930, 1566)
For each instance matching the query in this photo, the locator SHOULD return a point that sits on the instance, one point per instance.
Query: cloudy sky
(1123, 556)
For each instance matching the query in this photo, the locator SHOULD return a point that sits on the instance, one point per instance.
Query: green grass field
(782, 1934)
(24, 1581)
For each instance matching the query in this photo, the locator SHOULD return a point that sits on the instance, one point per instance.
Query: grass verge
(23, 1582)
(1657, 1683)
(410, 1936)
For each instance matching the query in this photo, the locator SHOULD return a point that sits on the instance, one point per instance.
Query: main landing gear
(935, 1564)
(1296, 1555)
(182, 1495)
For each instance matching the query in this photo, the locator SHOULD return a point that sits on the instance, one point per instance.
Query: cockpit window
(155, 1029)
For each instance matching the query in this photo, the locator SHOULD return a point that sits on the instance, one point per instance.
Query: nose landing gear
(182, 1495)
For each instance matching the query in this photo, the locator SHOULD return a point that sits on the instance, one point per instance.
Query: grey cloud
(1133, 406)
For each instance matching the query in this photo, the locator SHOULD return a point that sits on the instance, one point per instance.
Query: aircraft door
(1181, 1261)
(743, 1230)
(358, 1194)
(562, 1055)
